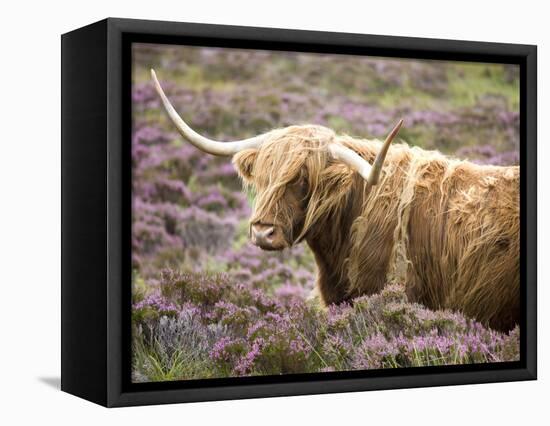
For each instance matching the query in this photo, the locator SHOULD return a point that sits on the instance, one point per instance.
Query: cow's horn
(204, 144)
(381, 156)
(351, 158)
(370, 173)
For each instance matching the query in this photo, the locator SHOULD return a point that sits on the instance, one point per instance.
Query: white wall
(30, 210)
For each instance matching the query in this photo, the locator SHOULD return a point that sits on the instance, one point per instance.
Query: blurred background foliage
(230, 93)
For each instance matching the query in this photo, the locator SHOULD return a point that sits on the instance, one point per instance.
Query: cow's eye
(297, 182)
(299, 187)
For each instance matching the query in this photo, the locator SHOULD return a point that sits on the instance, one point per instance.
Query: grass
(467, 82)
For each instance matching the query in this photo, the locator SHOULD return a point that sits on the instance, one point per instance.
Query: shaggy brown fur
(448, 229)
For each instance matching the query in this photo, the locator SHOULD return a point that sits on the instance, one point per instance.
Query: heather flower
(229, 314)
(245, 364)
(214, 201)
(288, 293)
(375, 352)
(157, 304)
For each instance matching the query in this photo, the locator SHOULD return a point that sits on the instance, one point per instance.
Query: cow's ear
(244, 163)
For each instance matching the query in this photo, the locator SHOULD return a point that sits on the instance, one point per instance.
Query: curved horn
(204, 144)
(370, 173)
(351, 158)
(381, 156)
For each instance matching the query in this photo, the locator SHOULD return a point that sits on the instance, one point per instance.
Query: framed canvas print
(252, 212)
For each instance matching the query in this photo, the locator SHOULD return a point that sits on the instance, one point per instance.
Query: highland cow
(445, 228)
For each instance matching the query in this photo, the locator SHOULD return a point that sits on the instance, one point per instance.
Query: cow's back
(462, 240)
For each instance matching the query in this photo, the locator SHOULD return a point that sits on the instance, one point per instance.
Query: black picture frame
(96, 211)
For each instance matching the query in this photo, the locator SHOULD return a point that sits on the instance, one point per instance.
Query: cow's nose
(262, 235)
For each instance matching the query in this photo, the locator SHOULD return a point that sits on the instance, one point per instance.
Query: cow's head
(291, 171)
